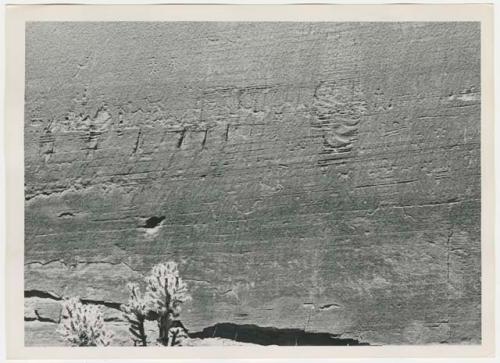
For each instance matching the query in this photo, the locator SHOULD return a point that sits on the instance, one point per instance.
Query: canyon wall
(314, 176)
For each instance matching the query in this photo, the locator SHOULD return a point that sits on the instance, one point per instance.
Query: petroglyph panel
(319, 177)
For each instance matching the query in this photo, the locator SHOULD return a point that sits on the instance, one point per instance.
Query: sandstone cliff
(322, 177)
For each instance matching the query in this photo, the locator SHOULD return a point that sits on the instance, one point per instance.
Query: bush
(165, 293)
(83, 325)
(135, 312)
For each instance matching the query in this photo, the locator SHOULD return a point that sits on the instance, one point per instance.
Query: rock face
(313, 176)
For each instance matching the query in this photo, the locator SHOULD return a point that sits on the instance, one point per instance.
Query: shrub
(83, 325)
(135, 313)
(165, 293)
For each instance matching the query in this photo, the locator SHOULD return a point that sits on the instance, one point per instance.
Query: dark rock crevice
(181, 138)
(66, 214)
(41, 294)
(44, 319)
(153, 222)
(109, 304)
(272, 336)
(48, 295)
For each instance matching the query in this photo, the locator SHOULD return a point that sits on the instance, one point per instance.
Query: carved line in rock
(336, 111)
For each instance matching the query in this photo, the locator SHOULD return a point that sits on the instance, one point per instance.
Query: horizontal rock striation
(315, 176)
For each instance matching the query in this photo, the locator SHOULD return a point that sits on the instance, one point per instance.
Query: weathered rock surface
(323, 177)
(44, 334)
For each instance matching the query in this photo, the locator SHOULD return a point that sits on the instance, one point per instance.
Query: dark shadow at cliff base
(271, 336)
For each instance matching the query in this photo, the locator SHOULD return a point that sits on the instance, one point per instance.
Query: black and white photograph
(252, 183)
